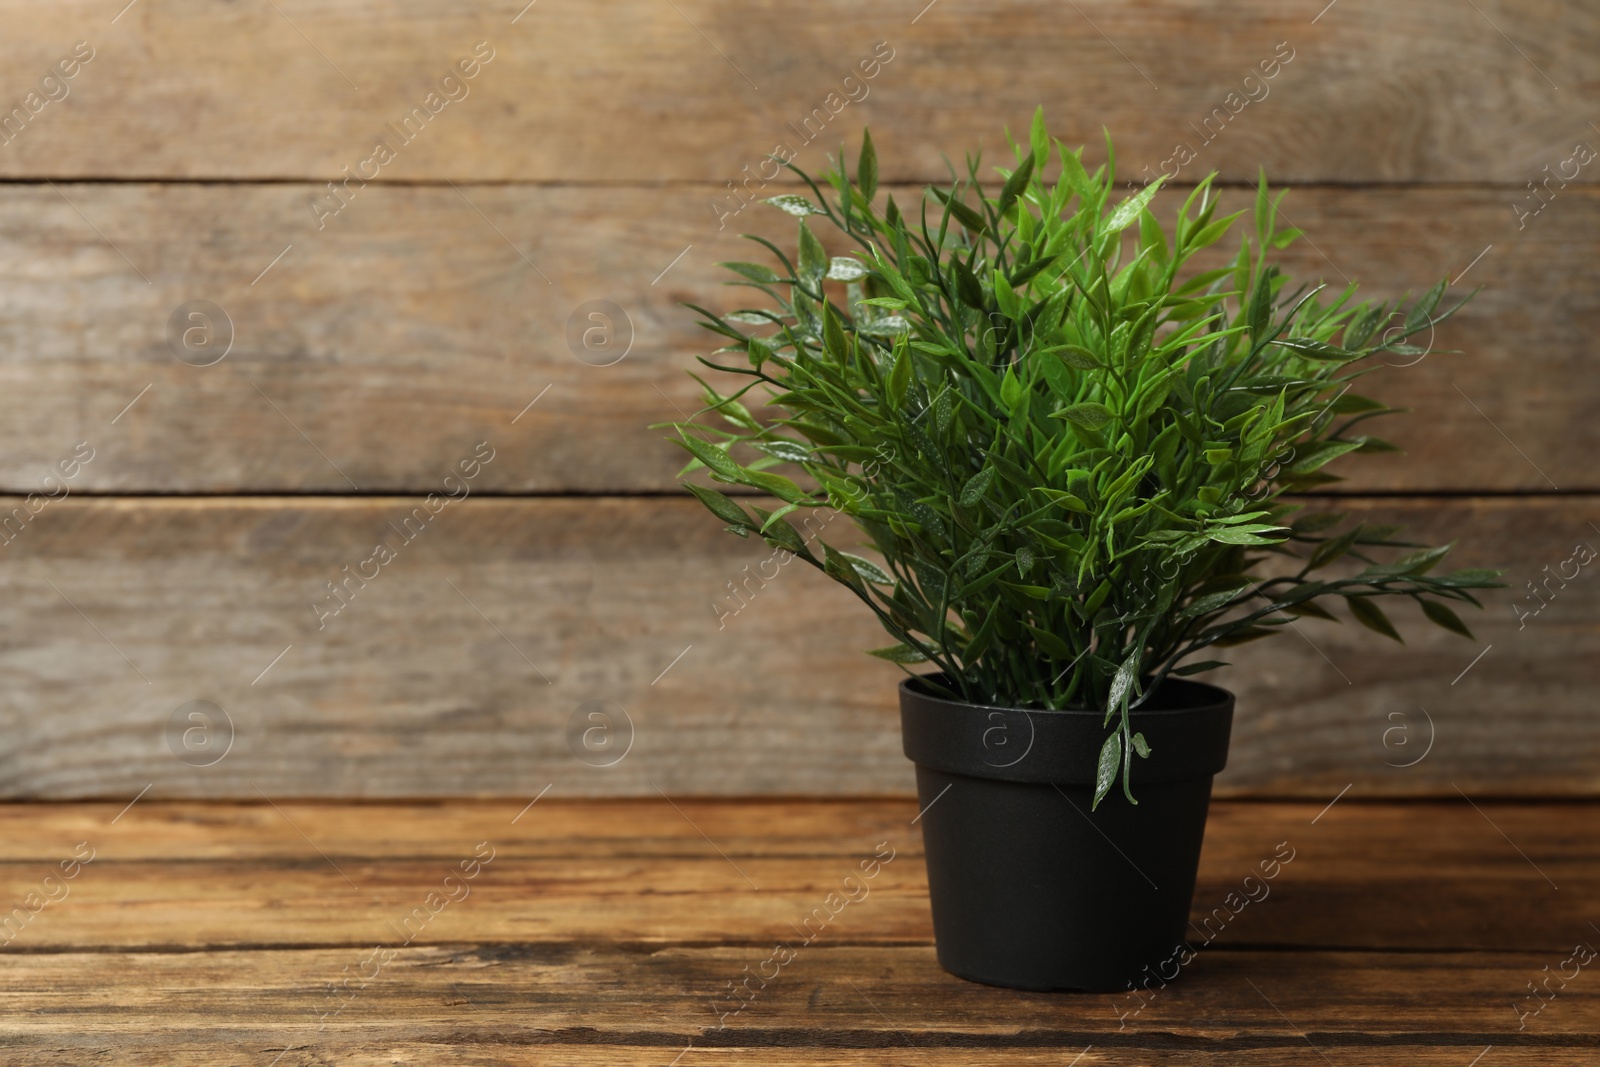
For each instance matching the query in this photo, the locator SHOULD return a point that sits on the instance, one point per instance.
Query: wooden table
(484, 932)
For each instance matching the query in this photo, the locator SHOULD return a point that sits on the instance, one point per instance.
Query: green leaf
(1210, 234)
(846, 269)
(1026, 273)
(715, 324)
(1423, 560)
(777, 485)
(717, 459)
(1152, 239)
(732, 412)
(1106, 774)
(1127, 212)
(758, 350)
(1372, 617)
(976, 486)
(1316, 454)
(1322, 520)
(1314, 349)
(788, 451)
(900, 375)
(1253, 534)
(1013, 393)
(1053, 646)
(1205, 605)
(927, 518)
(1472, 578)
(888, 326)
(867, 167)
(1039, 137)
(1443, 616)
(1372, 445)
(1076, 177)
(964, 214)
(779, 532)
(777, 517)
(1141, 746)
(1062, 498)
(838, 568)
(794, 204)
(1351, 404)
(1097, 598)
(720, 505)
(867, 569)
(1331, 549)
(833, 335)
(1016, 183)
(1376, 534)
(1263, 205)
(901, 653)
(754, 271)
(1311, 608)
(968, 288)
(1006, 297)
(1260, 312)
(1075, 356)
(1122, 683)
(1240, 637)
(1090, 416)
(943, 412)
(1197, 668)
(813, 260)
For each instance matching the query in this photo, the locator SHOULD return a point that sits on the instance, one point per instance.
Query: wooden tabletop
(487, 932)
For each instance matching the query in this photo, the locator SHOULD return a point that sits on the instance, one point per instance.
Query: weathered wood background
(373, 349)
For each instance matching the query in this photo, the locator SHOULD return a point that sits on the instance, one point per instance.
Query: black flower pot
(1032, 890)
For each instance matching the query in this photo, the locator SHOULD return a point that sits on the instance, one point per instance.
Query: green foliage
(1069, 446)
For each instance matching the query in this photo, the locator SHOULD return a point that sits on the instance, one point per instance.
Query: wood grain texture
(515, 1050)
(379, 349)
(372, 349)
(584, 862)
(462, 664)
(663, 996)
(1432, 92)
(511, 973)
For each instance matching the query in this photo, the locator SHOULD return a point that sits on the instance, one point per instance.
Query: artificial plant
(1069, 445)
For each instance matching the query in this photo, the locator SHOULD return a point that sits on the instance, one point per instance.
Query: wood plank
(379, 350)
(780, 829)
(570, 872)
(459, 667)
(495, 1050)
(98, 973)
(843, 995)
(490, 1051)
(1364, 93)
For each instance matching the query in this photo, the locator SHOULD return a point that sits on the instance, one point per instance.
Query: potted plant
(1069, 446)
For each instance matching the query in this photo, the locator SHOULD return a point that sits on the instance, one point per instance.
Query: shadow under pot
(1030, 888)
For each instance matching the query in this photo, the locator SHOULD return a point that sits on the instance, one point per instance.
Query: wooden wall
(374, 348)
